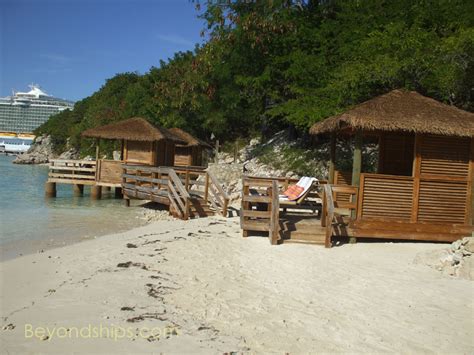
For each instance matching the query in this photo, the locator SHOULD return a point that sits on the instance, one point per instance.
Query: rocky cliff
(41, 152)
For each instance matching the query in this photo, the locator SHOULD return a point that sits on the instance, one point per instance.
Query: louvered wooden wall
(442, 201)
(342, 178)
(444, 156)
(444, 173)
(439, 192)
(386, 196)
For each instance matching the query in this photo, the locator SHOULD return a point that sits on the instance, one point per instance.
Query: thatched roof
(133, 129)
(188, 138)
(402, 111)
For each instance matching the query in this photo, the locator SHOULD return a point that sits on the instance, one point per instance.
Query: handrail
(72, 170)
(328, 214)
(330, 204)
(179, 197)
(182, 184)
(221, 199)
(72, 161)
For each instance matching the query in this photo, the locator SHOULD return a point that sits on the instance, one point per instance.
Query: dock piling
(78, 189)
(96, 192)
(118, 192)
(50, 189)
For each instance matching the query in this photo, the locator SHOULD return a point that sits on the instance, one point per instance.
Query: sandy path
(221, 293)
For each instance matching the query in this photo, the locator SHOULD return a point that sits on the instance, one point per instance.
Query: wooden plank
(71, 168)
(256, 199)
(256, 226)
(71, 176)
(71, 181)
(174, 196)
(175, 207)
(257, 214)
(73, 162)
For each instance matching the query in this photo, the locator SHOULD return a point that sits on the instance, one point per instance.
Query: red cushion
(293, 191)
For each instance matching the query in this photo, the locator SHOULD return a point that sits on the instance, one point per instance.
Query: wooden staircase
(200, 208)
(301, 229)
(190, 192)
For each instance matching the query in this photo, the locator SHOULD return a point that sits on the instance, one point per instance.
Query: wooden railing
(158, 184)
(215, 194)
(329, 218)
(109, 172)
(203, 183)
(176, 185)
(260, 206)
(178, 196)
(81, 172)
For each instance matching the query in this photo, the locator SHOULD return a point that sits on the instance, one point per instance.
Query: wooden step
(199, 208)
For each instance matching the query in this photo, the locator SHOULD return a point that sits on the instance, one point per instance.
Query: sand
(205, 289)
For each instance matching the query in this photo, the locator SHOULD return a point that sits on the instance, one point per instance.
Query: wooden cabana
(142, 143)
(423, 187)
(191, 152)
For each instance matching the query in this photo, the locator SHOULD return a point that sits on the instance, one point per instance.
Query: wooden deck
(340, 217)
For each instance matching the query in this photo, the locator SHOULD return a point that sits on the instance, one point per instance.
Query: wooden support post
(96, 192)
(126, 201)
(216, 157)
(356, 169)
(78, 190)
(50, 189)
(275, 215)
(332, 158)
(118, 192)
(97, 149)
(186, 180)
(206, 189)
(380, 163)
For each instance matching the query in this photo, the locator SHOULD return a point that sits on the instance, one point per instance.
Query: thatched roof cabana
(132, 129)
(401, 111)
(191, 152)
(424, 185)
(190, 140)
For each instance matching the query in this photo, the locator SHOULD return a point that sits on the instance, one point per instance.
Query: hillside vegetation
(268, 65)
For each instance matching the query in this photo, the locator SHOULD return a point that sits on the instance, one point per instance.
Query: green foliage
(271, 64)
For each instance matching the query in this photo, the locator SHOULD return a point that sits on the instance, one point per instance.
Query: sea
(31, 223)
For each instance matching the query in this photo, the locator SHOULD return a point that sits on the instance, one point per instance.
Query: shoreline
(207, 289)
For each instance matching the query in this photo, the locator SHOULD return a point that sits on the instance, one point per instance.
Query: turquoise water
(29, 222)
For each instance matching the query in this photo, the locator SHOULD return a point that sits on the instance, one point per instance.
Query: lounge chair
(300, 201)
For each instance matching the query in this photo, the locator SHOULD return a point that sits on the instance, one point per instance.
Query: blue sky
(70, 47)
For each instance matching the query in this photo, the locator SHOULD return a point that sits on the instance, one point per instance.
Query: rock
(469, 244)
(116, 155)
(456, 260)
(69, 154)
(40, 152)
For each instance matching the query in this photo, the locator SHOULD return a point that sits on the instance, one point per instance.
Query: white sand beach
(199, 287)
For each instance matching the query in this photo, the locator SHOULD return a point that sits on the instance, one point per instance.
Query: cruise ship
(23, 112)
